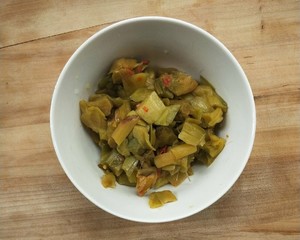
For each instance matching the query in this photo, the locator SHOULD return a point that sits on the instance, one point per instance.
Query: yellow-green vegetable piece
(123, 180)
(165, 159)
(140, 94)
(158, 199)
(142, 136)
(112, 161)
(108, 180)
(178, 178)
(174, 154)
(192, 134)
(211, 96)
(122, 111)
(129, 165)
(214, 145)
(212, 118)
(103, 103)
(178, 82)
(162, 181)
(133, 82)
(165, 136)
(123, 148)
(151, 108)
(183, 150)
(201, 103)
(124, 128)
(120, 66)
(167, 115)
(146, 179)
(94, 119)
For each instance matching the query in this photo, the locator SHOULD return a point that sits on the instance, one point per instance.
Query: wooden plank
(29, 75)
(43, 18)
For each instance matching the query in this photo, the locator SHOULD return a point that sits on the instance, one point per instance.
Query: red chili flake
(145, 109)
(167, 79)
(139, 68)
(163, 149)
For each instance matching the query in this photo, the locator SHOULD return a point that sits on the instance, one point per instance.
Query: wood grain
(37, 200)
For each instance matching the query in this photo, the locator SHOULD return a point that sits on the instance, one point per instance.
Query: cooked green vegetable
(193, 134)
(108, 180)
(140, 133)
(153, 125)
(165, 159)
(120, 67)
(129, 165)
(212, 118)
(122, 111)
(103, 102)
(167, 115)
(93, 118)
(183, 150)
(140, 94)
(214, 145)
(146, 179)
(158, 199)
(134, 82)
(113, 161)
(124, 128)
(165, 136)
(151, 108)
(178, 82)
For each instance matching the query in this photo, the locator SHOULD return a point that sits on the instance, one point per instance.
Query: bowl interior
(169, 43)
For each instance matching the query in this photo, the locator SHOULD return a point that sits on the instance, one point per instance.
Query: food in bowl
(153, 125)
(166, 42)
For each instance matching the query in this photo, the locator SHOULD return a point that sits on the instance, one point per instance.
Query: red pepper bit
(145, 109)
(163, 149)
(139, 68)
(129, 72)
(167, 79)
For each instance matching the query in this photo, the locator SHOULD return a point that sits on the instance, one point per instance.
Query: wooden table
(37, 199)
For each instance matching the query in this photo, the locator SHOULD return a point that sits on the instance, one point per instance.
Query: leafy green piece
(167, 115)
(129, 165)
(114, 162)
(193, 134)
(165, 136)
(140, 94)
(142, 136)
(158, 199)
(108, 180)
(124, 128)
(151, 108)
(212, 118)
(93, 118)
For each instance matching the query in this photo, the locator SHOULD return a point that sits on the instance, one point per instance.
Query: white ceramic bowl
(165, 42)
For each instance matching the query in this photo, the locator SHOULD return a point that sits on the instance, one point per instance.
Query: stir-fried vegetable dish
(152, 125)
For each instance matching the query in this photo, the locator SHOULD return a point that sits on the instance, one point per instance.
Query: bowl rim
(173, 21)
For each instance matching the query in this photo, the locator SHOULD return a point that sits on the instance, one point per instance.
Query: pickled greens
(152, 126)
